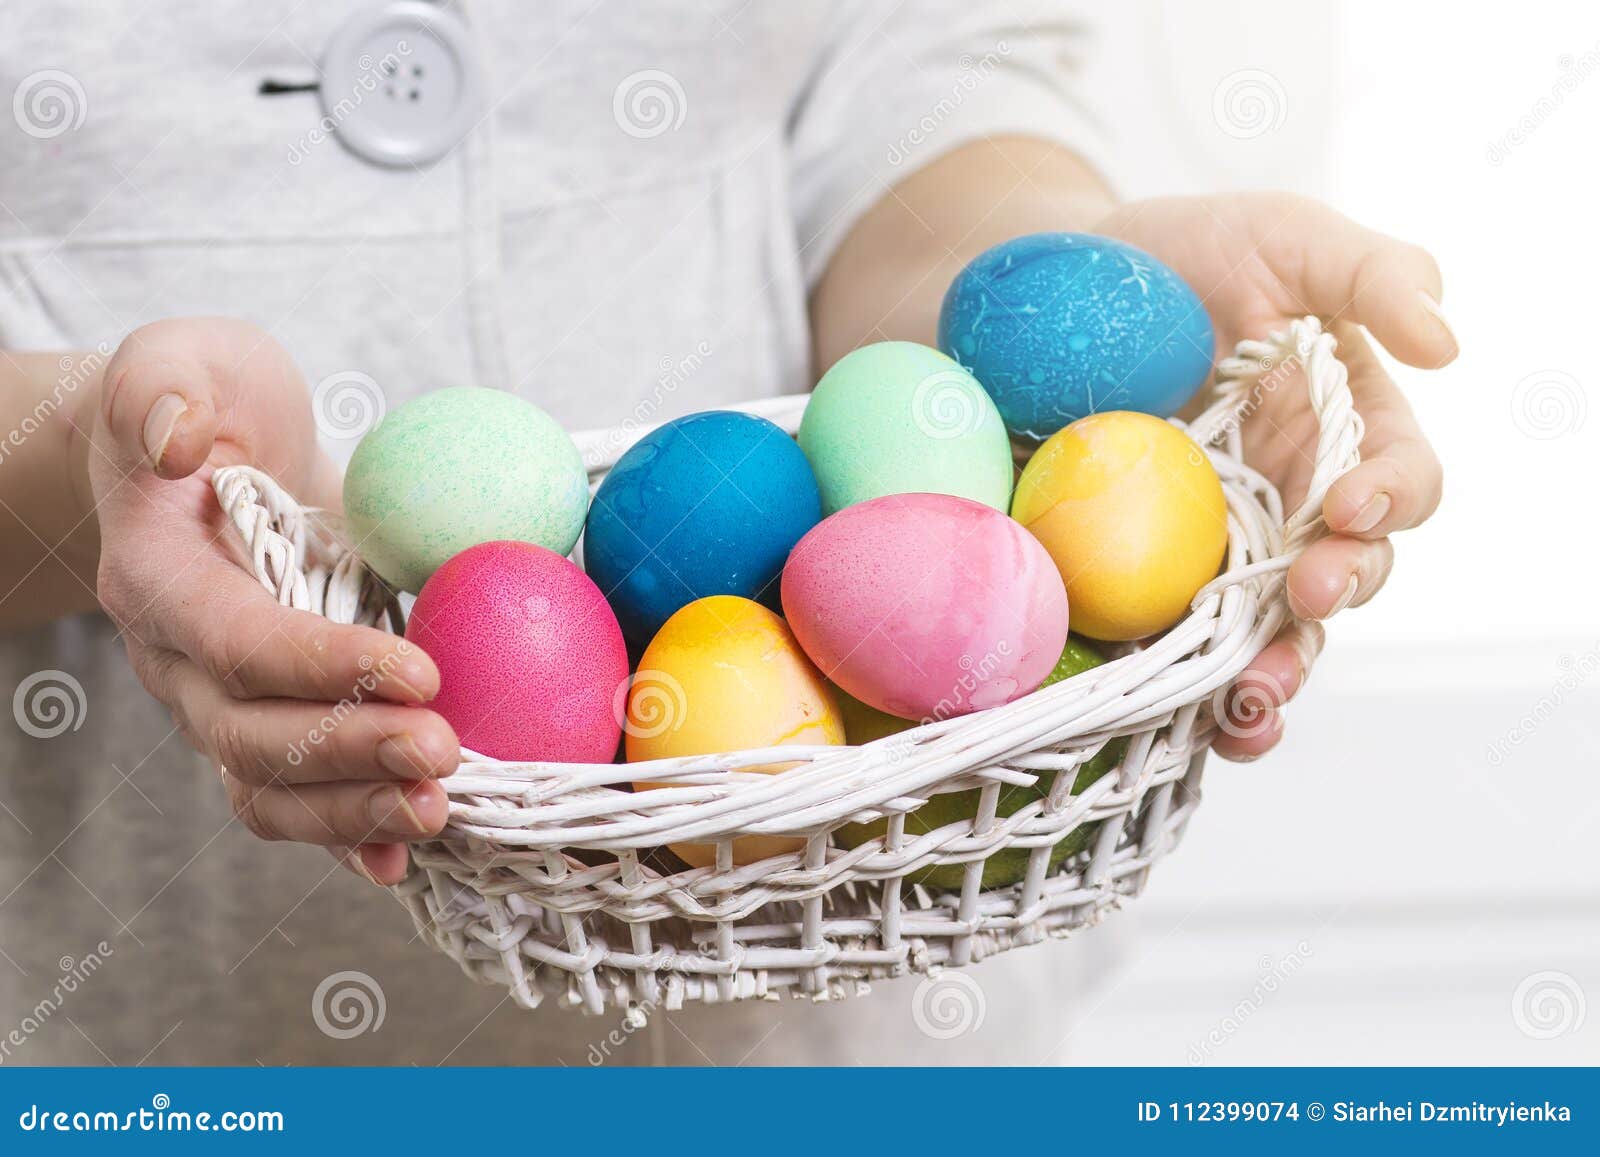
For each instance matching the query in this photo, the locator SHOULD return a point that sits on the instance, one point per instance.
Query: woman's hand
(1258, 261)
(315, 727)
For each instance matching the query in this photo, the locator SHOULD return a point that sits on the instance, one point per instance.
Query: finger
(1277, 674)
(382, 864)
(271, 741)
(1337, 572)
(387, 863)
(259, 649)
(1337, 268)
(1249, 714)
(1399, 482)
(340, 813)
(169, 383)
(1252, 743)
(286, 741)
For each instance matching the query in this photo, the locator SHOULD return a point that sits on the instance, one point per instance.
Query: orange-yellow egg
(725, 674)
(1131, 510)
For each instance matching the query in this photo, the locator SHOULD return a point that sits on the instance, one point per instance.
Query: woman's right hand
(316, 728)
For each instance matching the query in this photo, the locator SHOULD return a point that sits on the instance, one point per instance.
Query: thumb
(176, 388)
(159, 402)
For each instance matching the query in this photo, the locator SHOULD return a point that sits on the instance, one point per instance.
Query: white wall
(1431, 877)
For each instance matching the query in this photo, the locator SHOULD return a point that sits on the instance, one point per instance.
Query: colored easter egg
(1008, 865)
(1132, 512)
(863, 724)
(707, 505)
(926, 606)
(531, 660)
(725, 674)
(455, 468)
(1061, 325)
(901, 418)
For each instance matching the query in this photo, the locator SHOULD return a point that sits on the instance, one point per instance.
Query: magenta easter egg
(530, 656)
(926, 606)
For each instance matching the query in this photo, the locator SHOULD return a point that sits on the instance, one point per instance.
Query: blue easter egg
(1059, 325)
(710, 504)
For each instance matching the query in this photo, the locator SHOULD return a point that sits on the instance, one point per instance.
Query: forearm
(49, 537)
(889, 276)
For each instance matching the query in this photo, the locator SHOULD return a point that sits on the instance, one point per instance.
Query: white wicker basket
(542, 880)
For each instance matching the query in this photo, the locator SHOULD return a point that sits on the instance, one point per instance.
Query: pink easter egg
(926, 606)
(530, 656)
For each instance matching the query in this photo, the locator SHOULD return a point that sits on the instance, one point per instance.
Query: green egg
(1009, 865)
(901, 418)
(455, 468)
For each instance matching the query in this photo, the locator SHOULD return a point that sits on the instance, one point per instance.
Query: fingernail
(1432, 306)
(400, 755)
(1344, 599)
(355, 861)
(159, 424)
(1303, 660)
(410, 689)
(392, 811)
(1374, 512)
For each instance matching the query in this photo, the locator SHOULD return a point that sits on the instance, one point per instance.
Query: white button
(401, 83)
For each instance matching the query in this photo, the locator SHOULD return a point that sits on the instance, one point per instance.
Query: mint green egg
(901, 418)
(455, 468)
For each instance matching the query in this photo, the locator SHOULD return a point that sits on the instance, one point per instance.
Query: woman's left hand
(1258, 261)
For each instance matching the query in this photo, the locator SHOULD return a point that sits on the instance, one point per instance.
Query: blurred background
(1413, 876)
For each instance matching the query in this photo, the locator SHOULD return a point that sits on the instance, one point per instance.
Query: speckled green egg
(455, 468)
(901, 418)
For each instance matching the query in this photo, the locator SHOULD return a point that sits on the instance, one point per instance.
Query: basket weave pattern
(543, 880)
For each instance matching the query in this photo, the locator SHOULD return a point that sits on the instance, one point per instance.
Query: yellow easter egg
(1131, 510)
(725, 674)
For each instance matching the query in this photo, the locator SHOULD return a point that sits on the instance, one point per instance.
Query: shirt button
(401, 83)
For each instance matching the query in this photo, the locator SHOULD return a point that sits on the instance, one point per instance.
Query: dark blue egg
(1059, 325)
(710, 504)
